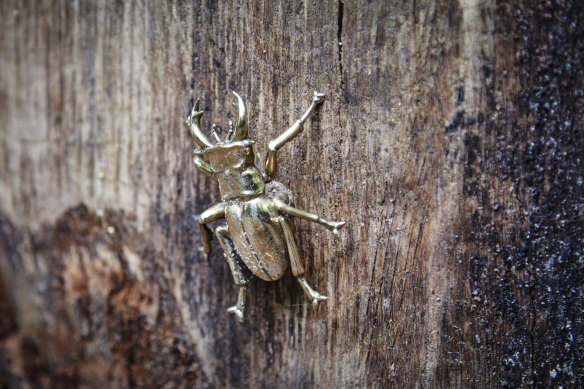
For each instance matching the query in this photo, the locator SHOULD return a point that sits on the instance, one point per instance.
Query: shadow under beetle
(256, 227)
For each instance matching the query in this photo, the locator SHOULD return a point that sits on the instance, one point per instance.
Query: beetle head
(235, 151)
(232, 155)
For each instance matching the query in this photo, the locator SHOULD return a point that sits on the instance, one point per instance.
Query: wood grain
(449, 141)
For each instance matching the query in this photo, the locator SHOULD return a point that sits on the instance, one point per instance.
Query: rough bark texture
(450, 141)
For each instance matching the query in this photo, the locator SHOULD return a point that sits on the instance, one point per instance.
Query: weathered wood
(450, 141)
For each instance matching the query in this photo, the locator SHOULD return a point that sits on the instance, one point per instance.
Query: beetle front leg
(291, 133)
(296, 265)
(216, 212)
(224, 236)
(332, 226)
(203, 166)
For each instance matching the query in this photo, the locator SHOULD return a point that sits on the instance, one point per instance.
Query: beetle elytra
(253, 205)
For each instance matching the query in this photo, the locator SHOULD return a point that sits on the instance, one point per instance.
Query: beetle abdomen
(258, 237)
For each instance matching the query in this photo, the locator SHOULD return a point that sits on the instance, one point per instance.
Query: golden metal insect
(254, 206)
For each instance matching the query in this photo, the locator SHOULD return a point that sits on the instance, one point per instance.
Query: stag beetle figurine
(253, 206)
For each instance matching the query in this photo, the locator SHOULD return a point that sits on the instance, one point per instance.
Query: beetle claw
(318, 97)
(237, 309)
(336, 227)
(238, 313)
(317, 299)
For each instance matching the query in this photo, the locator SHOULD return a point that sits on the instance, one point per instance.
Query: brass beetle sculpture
(256, 226)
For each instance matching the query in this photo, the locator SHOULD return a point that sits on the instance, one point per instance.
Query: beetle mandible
(257, 228)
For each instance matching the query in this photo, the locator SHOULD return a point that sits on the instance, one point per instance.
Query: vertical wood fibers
(449, 141)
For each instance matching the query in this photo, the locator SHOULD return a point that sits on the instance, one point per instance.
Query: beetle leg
(296, 264)
(271, 163)
(238, 308)
(332, 226)
(223, 235)
(216, 212)
(204, 167)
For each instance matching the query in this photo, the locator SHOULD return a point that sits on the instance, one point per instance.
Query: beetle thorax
(235, 169)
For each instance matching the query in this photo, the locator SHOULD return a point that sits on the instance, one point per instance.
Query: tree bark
(450, 141)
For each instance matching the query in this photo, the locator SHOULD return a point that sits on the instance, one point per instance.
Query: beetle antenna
(214, 133)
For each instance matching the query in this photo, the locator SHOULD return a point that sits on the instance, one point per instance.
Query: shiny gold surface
(256, 227)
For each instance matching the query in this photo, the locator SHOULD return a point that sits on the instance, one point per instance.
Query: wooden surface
(450, 141)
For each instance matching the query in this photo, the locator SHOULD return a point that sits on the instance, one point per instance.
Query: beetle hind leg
(296, 265)
(312, 294)
(224, 236)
